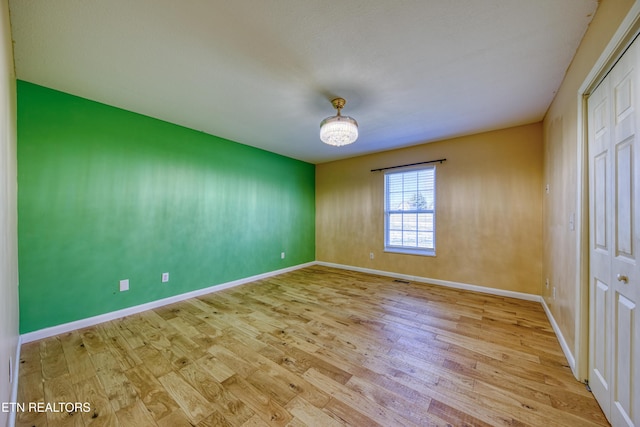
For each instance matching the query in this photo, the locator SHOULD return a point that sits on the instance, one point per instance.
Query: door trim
(627, 31)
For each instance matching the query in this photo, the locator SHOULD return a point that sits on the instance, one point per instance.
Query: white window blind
(410, 203)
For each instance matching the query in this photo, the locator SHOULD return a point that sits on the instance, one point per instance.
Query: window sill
(408, 251)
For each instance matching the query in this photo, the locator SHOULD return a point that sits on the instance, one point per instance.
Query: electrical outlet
(124, 285)
(165, 277)
(371, 255)
(546, 188)
(281, 255)
(546, 283)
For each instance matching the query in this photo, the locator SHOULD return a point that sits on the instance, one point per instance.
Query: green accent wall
(105, 194)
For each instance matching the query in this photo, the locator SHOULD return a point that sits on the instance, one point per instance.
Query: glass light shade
(338, 130)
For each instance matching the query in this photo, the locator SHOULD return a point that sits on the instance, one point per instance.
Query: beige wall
(561, 170)
(489, 211)
(8, 211)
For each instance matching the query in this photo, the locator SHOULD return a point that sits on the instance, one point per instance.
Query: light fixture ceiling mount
(338, 130)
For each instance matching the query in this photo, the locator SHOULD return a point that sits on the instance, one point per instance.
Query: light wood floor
(317, 347)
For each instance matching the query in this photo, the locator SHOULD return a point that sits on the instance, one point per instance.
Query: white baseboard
(563, 343)
(14, 381)
(67, 327)
(90, 321)
(446, 283)
(83, 323)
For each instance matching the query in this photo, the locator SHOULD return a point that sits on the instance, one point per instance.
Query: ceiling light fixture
(338, 130)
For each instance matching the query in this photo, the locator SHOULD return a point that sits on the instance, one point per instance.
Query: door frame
(628, 30)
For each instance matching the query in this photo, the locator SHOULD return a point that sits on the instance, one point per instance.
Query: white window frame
(413, 249)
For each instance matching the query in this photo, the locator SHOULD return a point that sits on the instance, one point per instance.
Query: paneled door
(614, 238)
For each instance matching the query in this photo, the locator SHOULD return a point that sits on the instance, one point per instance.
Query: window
(410, 211)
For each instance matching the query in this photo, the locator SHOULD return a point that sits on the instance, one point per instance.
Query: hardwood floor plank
(309, 414)
(282, 384)
(216, 420)
(301, 338)
(153, 360)
(184, 327)
(176, 419)
(135, 414)
(265, 407)
(54, 364)
(77, 357)
(31, 391)
(255, 421)
(149, 389)
(115, 383)
(299, 361)
(227, 406)
(57, 391)
(498, 352)
(215, 367)
(461, 399)
(315, 346)
(580, 406)
(453, 416)
(355, 400)
(182, 351)
(229, 359)
(522, 408)
(92, 340)
(521, 387)
(414, 411)
(30, 359)
(101, 415)
(130, 329)
(195, 407)
(348, 415)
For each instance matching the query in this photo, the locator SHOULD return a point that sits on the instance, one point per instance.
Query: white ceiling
(262, 72)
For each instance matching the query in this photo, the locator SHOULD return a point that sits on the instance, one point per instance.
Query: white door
(614, 229)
